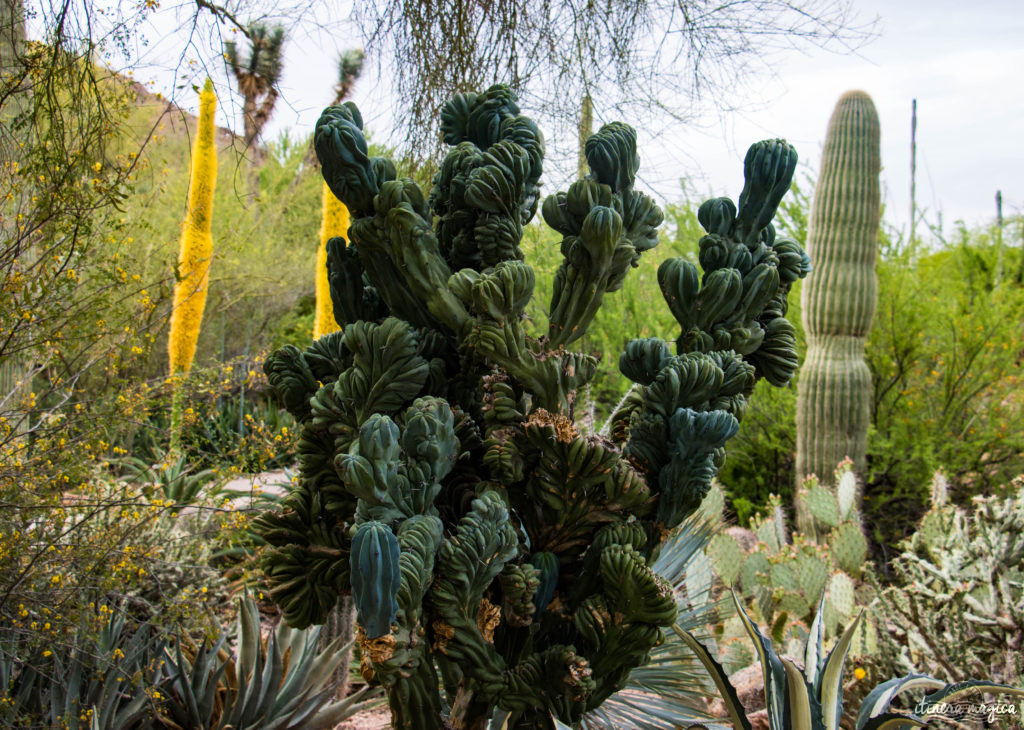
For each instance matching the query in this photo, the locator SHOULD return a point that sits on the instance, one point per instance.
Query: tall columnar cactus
(193, 272)
(333, 223)
(498, 558)
(833, 402)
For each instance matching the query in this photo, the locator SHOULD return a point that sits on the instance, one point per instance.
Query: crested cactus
(437, 432)
(838, 299)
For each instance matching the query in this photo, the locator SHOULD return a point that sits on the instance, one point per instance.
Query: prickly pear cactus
(784, 576)
(437, 441)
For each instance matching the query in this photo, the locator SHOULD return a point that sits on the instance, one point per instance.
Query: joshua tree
(257, 77)
(350, 65)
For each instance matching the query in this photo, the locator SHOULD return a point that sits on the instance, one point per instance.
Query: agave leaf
(131, 712)
(209, 697)
(293, 689)
(813, 655)
(185, 687)
(830, 689)
(878, 700)
(558, 724)
(337, 712)
(271, 681)
(892, 721)
(499, 720)
(310, 672)
(952, 691)
(774, 672)
(802, 715)
(721, 680)
(248, 639)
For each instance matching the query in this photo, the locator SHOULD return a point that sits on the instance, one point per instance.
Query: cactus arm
(467, 563)
(494, 333)
(334, 223)
(401, 660)
(352, 299)
(575, 487)
(289, 374)
(606, 225)
(356, 179)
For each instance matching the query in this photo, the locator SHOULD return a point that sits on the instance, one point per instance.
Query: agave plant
(173, 480)
(278, 683)
(812, 699)
(101, 680)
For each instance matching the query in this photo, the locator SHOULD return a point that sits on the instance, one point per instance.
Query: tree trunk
(341, 622)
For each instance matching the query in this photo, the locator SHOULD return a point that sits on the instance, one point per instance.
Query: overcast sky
(961, 61)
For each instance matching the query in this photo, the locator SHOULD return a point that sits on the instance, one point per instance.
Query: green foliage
(107, 678)
(945, 396)
(947, 393)
(436, 420)
(813, 698)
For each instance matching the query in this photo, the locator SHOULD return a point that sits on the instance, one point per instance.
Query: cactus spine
(334, 223)
(833, 403)
(193, 273)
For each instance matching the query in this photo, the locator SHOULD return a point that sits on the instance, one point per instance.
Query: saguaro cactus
(193, 274)
(838, 299)
(498, 558)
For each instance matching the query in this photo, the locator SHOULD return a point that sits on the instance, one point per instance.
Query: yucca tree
(350, 65)
(257, 76)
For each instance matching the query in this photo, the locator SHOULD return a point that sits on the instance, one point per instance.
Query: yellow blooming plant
(193, 274)
(334, 222)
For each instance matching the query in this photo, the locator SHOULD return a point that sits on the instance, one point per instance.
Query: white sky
(962, 62)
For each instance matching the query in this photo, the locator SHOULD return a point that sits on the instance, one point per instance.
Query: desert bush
(945, 358)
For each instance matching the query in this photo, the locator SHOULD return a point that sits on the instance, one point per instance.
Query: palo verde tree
(499, 560)
(635, 58)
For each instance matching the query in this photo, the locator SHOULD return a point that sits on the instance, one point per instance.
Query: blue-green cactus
(376, 577)
(436, 431)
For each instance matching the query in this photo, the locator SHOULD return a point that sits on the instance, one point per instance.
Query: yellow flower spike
(193, 275)
(196, 241)
(334, 222)
(859, 673)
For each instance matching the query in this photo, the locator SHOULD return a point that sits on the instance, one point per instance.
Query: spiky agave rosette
(500, 559)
